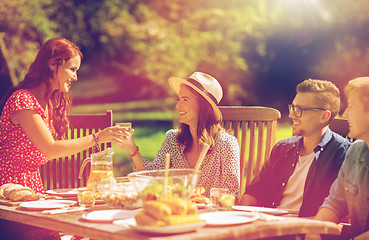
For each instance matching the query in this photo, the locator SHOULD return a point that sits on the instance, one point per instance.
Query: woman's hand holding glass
(111, 134)
(128, 143)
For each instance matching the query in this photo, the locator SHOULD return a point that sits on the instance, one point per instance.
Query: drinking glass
(126, 125)
(221, 199)
(86, 196)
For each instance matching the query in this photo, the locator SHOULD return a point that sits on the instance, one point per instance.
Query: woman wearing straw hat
(200, 119)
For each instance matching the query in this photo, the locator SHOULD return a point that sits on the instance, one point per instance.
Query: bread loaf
(10, 188)
(2, 188)
(18, 192)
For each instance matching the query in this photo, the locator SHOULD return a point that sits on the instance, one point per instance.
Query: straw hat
(205, 85)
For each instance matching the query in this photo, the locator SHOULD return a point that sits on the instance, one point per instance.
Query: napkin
(64, 210)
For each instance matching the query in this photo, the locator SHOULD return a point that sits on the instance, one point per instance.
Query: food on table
(178, 205)
(97, 176)
(121, 194)
(182, 219)
(158, 209)
(226, 200)
(155, 190)
(2, 187)
(198, 197)
(86, 196)
(146, 220)
(168, 211)
(122, 200)
(150, 184)
(18, 192)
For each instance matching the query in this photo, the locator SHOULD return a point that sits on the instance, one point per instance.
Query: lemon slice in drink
(226, 200)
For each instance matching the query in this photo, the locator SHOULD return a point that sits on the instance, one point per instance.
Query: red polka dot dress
(19, 157)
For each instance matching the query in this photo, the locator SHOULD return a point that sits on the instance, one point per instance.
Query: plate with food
(272, 211)
(224, 218)
(108, 215)
(63, 192)
(174, 229)
(201, 205)
(198, 199)
(47, 204)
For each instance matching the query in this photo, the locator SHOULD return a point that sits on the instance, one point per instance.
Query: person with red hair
(34, 122)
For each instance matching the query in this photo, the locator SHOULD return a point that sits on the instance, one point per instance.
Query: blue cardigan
(269, 185)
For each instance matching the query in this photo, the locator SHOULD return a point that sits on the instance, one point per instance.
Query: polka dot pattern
(19, 157)
(220, 167)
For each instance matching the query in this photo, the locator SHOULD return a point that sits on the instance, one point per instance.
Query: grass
(150, 138)
(150, 119)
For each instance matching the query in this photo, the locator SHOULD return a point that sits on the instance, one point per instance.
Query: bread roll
(192, 209)
(182, 219)
(198, 191)
(146, 220)
(156, 209)
(167, 212)
(200, 200)
(177, 205)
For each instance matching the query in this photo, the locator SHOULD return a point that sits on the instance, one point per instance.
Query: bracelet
(135, 153)
(96, 147)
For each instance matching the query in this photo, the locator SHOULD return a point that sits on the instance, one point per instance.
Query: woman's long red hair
(44, 69)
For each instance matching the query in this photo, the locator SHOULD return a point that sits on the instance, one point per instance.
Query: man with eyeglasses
(301, 169)
(349, 194)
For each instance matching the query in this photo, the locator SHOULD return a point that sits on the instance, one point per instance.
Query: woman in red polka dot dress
(34, 123)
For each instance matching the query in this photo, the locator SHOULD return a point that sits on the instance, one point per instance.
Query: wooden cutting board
(8, 202)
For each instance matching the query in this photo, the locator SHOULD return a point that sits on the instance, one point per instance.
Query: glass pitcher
(101, 168)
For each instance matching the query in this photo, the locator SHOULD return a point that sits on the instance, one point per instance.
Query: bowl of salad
(122, 194)
(150, 184)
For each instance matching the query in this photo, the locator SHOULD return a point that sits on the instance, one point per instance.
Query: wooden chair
(255, 128)
(63, 172)
(341, 126)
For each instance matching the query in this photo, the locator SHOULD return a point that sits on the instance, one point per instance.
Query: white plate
(273, 211)
(224, 218)
(160, 230)
(108, 215)
(63, 192)
(47, 204)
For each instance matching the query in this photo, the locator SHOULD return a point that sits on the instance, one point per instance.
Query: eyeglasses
(297, 111)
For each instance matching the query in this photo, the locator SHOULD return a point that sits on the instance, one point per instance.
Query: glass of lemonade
(126, 125)
(221, 198)
(86, 196)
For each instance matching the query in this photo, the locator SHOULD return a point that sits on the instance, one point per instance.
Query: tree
(25, 26)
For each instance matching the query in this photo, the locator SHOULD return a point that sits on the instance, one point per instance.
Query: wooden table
(73, 224)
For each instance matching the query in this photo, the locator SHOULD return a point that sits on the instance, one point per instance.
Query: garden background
(259, 50)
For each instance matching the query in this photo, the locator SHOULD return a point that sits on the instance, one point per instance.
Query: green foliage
(248, 45)
(26, 26)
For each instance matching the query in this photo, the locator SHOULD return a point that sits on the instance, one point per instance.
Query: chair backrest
(255, 128)
(63, 172)
(341, 127)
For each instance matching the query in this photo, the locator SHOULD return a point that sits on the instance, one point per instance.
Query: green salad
(155, 190)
